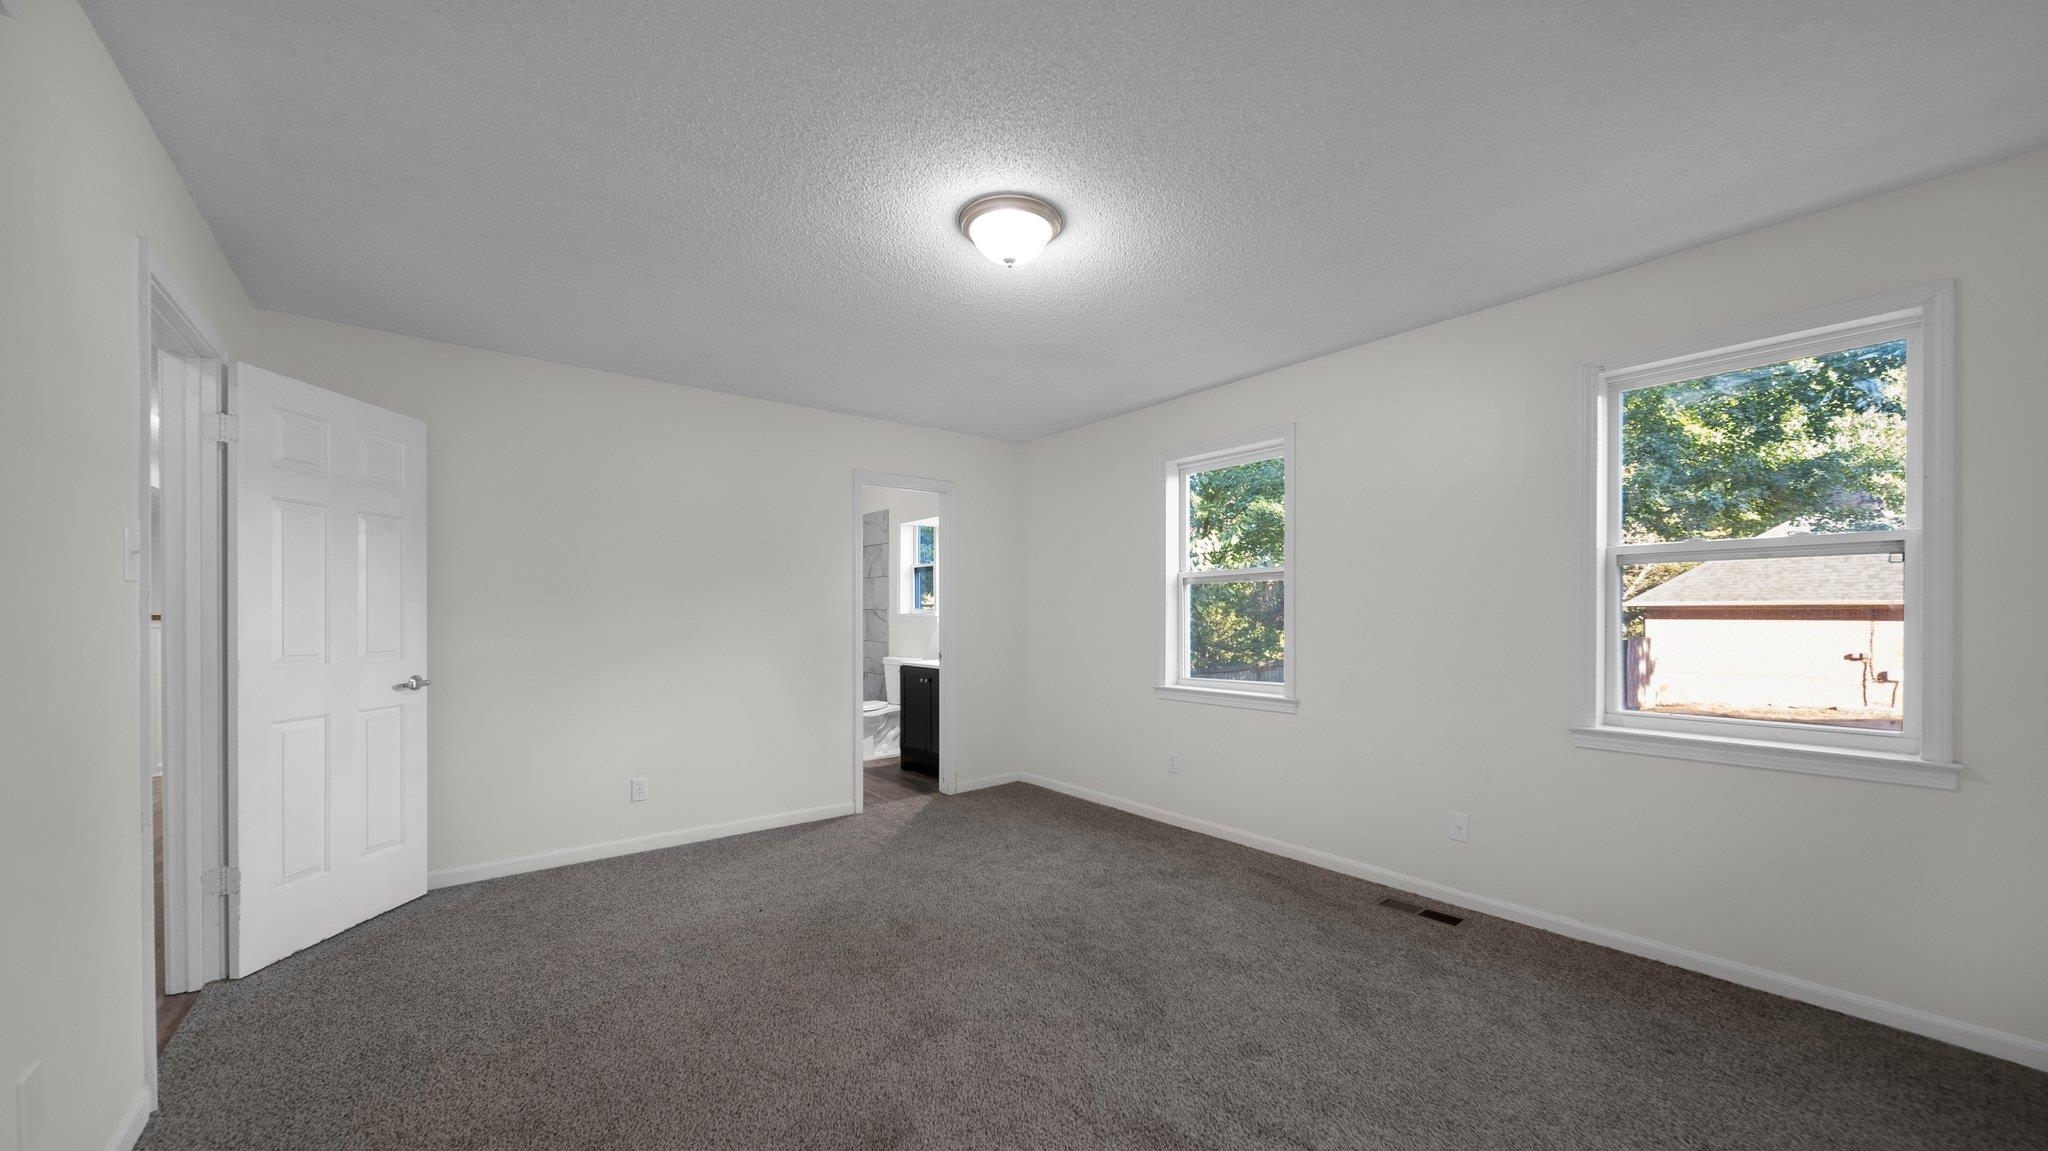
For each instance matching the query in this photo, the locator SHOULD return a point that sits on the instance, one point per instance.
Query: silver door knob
(414, 684)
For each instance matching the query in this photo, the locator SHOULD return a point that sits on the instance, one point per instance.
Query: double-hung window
(1229, 598)
(920, 568)
(1769, 565)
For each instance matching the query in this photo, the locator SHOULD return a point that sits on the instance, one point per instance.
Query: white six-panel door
(329, 770)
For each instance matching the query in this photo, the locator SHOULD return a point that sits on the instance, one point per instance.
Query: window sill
(1224, 697)
(1878, 766)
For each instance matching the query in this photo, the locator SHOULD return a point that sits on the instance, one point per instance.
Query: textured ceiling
(758, 196)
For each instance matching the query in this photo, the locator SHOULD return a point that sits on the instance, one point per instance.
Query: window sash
(1615, 714)
(1906, 326)
(1184, 669)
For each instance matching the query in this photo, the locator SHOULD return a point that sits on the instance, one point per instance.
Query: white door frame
(949, 728)
(192, 688)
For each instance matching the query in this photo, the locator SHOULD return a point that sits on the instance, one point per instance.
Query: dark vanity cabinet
(920, 738)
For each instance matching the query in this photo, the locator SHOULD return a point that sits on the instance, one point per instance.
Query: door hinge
(221, 881)
(226, 428)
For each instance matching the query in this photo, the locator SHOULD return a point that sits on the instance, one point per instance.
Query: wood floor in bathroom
(170, 1009)
(886, 781)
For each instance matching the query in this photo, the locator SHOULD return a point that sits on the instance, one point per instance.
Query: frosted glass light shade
(1010, 230)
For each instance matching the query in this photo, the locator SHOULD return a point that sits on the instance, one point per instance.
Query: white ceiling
(758, 196)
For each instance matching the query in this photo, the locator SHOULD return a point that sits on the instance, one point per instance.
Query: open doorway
(176, 559)
(902, 594)
(170, 391)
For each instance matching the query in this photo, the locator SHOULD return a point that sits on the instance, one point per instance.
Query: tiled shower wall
(874, 600)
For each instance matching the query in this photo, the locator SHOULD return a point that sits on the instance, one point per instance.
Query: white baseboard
(562, 857)
(1990, 1041)
(130, 1130)
(986, 781)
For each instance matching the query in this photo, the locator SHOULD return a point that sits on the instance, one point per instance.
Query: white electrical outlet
(1461, 827)
(1173, 763)
(28, 1106)
(636, 790)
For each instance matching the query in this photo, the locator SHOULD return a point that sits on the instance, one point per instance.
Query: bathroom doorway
(904, 550)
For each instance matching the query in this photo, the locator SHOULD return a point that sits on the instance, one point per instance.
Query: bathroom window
(921, 567)
(1769, 549)
(1229, 596)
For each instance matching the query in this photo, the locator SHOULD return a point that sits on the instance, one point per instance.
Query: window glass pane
(1235, 630)
(1237, 516)
(1795, 639)
(924, 591)
(1808, 445)
(927, 544)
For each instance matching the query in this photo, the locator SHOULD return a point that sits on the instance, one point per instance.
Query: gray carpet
(1015, 969)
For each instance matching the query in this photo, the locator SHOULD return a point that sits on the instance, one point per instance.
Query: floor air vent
(1407, 908)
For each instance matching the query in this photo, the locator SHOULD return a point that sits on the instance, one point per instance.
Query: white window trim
(906, 578)
(1921, 754)
(1174, 683)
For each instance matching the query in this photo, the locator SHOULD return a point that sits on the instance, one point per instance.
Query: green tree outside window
(1237, 518)
(1818, 443)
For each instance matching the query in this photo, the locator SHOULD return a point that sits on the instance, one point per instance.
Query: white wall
(81, 177)
(637, 579)
(912, 634)
(1438, 498)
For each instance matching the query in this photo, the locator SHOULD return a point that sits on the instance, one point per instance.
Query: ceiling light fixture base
(1010, 228)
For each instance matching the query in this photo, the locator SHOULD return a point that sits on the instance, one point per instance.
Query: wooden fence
(1636, 667)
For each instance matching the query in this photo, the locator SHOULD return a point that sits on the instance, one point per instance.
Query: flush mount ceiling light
(1010, 229)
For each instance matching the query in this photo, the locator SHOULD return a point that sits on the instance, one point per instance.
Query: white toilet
(882, 719)
(882, 725)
